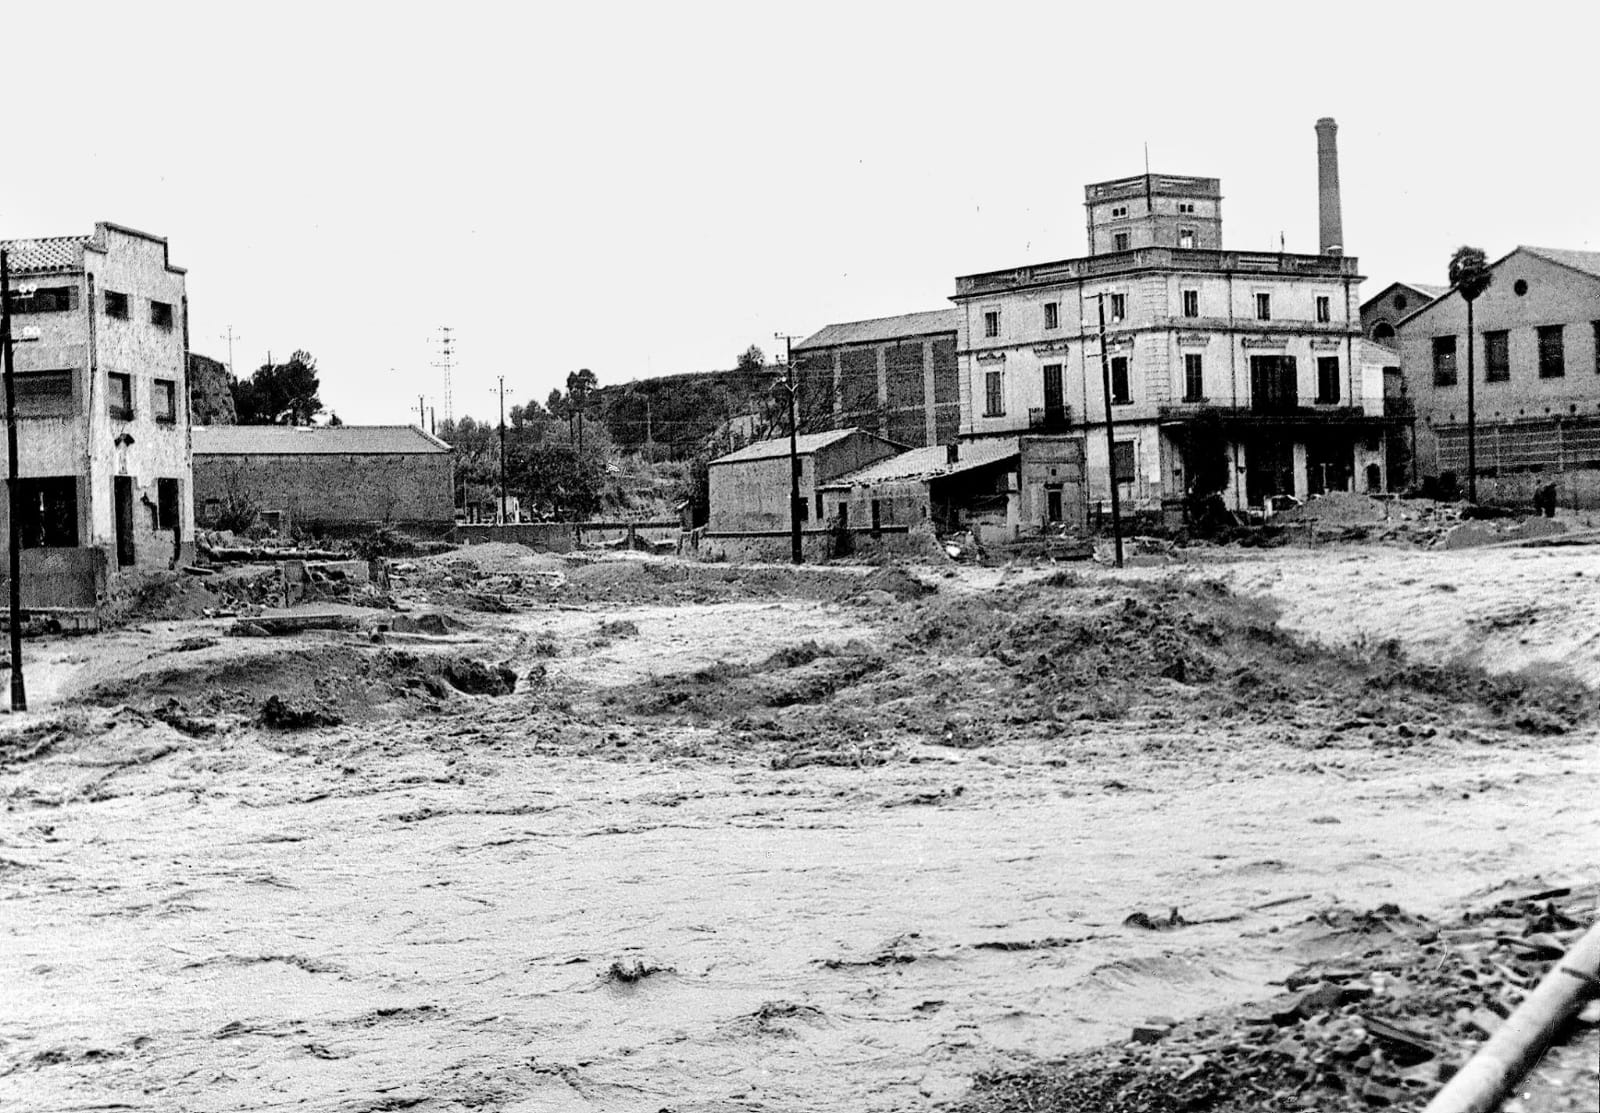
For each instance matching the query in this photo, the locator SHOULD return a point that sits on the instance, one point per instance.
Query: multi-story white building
(102, 412)
(1254, 356)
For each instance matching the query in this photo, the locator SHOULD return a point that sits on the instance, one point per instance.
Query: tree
(580, 384)
(279, 393)
(752, 359)
(334, 419)
(1470, 275)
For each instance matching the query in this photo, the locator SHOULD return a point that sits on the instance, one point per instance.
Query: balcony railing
(1144, 258)
(1050, 419)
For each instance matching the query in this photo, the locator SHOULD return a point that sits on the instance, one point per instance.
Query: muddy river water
(456, 914)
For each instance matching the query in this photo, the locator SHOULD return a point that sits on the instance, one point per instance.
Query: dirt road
(600, 893)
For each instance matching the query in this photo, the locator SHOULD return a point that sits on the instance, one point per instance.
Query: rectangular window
(1119, 380)
(161, 314)
(116, 305)
(1552, 354)
(1324, 309)
(119, 395)
(1118, 306)
(1191, 303)
(1274, 384)
(991, 322)
(1119, 242)
(44, 394)
(1119, 210)
(804, 508)
(1497, 356)
(1052, 314)
(47, 512)
(1186, 238)
(1194, 379)
(1263, 307)
(1327, 379)
(1444, 361)
(166, 400)
(994, 394)
(1122, 462)
(167, 503)
(1185, 206)
(1596, 347)
(46, 299)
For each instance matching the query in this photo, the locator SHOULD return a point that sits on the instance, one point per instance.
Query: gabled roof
(932, 462)
(52, 253)
(1586, 261)
(805, 444)
(1426, 290)
(883, 328)
(314, 440)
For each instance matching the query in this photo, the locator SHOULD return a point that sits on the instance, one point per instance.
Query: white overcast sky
(649, 188)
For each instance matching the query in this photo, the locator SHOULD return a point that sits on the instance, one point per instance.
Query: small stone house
(750, 488)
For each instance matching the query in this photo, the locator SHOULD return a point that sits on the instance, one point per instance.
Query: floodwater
(424, 914)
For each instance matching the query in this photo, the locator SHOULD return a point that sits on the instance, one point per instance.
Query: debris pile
(1396, 1008)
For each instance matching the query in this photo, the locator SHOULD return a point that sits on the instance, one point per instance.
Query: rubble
(1383, 1024)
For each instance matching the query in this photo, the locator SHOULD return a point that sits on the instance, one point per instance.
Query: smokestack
(1330, 225)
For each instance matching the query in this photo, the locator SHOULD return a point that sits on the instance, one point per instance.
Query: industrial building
(1536, 358)
(894, 376)
(102, 412)
(750, 488)
(1243, 366)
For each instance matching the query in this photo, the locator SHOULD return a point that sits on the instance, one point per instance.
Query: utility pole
(502, 450)
(422, 413)
(19, 691)
(1472, 413)
(447, 351)
(1111, 439)
(230, 337)
(796, 553)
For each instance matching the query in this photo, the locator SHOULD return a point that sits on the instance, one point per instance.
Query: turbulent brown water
(425, 914)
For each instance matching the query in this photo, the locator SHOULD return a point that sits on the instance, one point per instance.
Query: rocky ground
(526, 832)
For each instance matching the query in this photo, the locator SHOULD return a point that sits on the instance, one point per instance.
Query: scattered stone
(280, 714)
(479, 678)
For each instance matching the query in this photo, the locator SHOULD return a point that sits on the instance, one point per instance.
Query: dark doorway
(1269, 470)
(1274, 386)
(1052, 504)
(1055, 406)
(122, 490)
(877, 517)
(1374, 479)
(1329, 466)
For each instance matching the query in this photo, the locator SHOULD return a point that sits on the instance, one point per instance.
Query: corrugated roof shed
(779, 446)
(932, 462)
(1587, 261)
(53, 253)
(883, 328)
(301, 440)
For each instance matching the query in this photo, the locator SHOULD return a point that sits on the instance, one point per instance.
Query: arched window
(1383, 332)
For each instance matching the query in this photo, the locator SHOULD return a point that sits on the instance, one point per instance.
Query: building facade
(1249, 357)
(750, 488)
(330, 479)
(895, 376)
(1536, 361)
(102, 412)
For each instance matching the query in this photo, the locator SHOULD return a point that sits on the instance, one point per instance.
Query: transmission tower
(447, 348)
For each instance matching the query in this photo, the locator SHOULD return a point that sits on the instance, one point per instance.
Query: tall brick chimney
(1331, 226)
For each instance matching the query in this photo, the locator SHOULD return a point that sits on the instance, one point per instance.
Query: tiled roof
(49, 254)
(298, 440)
(1587, 261)
(1429, 288)
(932, 462)
(883, 328)
(779, 446)
(1425, 289)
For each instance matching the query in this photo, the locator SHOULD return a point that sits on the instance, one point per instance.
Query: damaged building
(994, 489)
(1237, 371)
(102, 412)
(750, 488)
